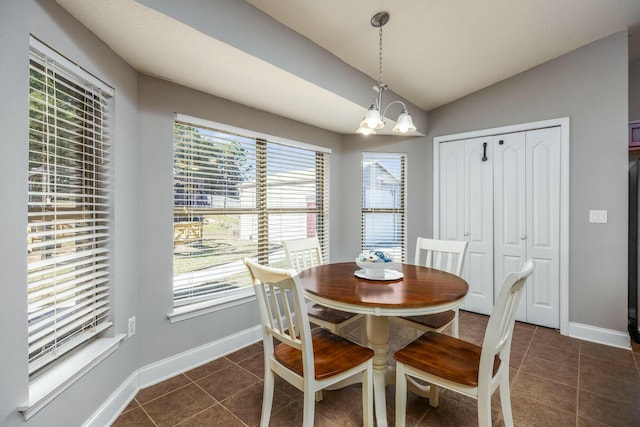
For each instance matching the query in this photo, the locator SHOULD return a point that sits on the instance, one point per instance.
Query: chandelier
(373, 120)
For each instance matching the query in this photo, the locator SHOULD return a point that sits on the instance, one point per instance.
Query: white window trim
(50, 384)
(55, 379)
(189, 311)
(240, 296)
(249, 133)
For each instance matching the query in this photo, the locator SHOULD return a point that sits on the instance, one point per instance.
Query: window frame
(399, 209)
(80, 216)
(48, 382)
(225, 299)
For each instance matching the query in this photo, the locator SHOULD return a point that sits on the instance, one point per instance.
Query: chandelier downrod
(373, 120)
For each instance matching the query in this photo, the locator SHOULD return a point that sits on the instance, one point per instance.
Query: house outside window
(69, 225)
(239, 196)
(383, 203)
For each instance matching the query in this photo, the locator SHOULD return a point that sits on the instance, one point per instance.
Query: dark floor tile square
(247, 404)
(133, 418)
(549, 392)
(608, 353)
(620, 371)
(178, 405)
(561, 355)
(608, 411)
(227, 382)
(215, 416)
(620, 389)
(530, 413)
(254, 364)
(552, 338)
(292, 415)
(246, 352)
(212, 367)
(554, 371)
(152, 392)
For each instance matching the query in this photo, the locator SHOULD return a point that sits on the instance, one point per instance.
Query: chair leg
(484, 408)
(367, 397)
(505, 401)
(401, 395)
(267, 397)
(309, 408)
(434, 395)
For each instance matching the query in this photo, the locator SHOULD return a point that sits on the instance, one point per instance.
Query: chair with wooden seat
(310, 360)
(446, 255)
(475, 371)
(306, 253)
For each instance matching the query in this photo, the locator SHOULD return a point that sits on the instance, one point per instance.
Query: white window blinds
(383, 203)
(237, 196)
(68, 207)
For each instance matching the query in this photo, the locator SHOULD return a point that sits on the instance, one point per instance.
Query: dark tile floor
(555, 381)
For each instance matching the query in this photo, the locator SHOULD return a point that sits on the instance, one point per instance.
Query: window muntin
(383, 203)
(68, 208)
(237, 196)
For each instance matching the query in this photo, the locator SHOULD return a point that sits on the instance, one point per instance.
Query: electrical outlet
(598, 216)
(132, 327)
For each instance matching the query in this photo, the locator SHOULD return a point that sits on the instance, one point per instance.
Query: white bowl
(374, 269)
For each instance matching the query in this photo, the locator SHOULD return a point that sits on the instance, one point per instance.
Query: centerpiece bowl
(374, 263)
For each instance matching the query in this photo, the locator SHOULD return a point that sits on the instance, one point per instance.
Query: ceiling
(434, 51)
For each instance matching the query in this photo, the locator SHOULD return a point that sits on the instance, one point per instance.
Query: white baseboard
(119, 399)
(174, 365)
(167, 368)
(600, 335)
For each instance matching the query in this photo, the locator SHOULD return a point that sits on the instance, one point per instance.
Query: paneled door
(478, 224)
(501, 193)
(466, 213)
(527, 218)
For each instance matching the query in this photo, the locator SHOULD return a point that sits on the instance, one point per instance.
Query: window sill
(46, 387)
(201, 308)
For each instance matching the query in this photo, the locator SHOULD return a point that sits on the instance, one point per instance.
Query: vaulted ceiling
(315, 61)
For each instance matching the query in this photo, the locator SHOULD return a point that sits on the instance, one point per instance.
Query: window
(383, 203)
(68, 207)
(238, 196)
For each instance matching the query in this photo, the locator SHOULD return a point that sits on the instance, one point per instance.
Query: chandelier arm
(404, 107)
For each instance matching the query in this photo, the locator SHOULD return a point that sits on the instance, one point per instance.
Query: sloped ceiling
(315, 61)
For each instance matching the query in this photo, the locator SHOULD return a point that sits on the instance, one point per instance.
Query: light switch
(598, 216)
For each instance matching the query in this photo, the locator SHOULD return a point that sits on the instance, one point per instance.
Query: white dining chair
(446, 255)
(310, 360)
(475, 371)
(305, 253)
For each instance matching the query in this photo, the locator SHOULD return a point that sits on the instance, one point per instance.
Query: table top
(422, 290)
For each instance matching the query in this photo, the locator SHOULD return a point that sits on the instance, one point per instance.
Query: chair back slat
(447, 255)
(303, 253)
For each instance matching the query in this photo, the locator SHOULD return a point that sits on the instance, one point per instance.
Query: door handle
(523, 237)
(484, 152)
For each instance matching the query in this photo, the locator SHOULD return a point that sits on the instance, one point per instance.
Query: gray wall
(48, 22)
(419, 205)
(589, 85)
(159, 100)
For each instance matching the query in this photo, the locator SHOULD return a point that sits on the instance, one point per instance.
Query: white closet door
(543, 226)
(510, 210)
(478, 224)
(452, 190)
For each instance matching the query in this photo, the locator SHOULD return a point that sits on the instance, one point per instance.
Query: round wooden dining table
(421, 290)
